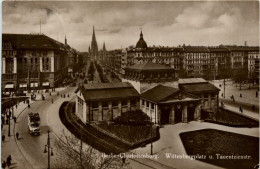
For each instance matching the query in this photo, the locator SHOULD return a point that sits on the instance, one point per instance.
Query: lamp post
(48, 149)
(9, 130)
(151, 134)
(12, 107)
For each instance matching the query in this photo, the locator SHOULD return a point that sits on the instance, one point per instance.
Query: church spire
(141, 34)
(93, 35)
(65, 40)
(94, 46)
(104, 47)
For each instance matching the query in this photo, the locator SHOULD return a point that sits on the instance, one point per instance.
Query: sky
(118, 24)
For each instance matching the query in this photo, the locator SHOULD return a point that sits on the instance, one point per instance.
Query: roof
(198, 87)
(97, 86)
(141, 43)
(218, 49)
(107, 91)
(159, 93)
(32, 41)
(199, 49)
(191, 80)
(149, 66)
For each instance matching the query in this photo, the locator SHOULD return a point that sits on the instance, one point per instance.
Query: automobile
(34, 123)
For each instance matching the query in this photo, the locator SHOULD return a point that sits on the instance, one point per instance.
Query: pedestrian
(6, 120)
(3, 138)
(51, 101)
(253, 107)
(3, 164)
(29, 106)
(240, 95)
(17, 135)
(240, 108)
(68, 95)
(3, 119)
(222, 95)
(123, 160)
(16, 106)
(14, 119)
(57, 93)
(256, 94)
(8, 161)
(50, 93)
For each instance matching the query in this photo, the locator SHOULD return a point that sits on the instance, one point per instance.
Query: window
(152, 105)
(124, 102)
(143, 102)
(95, 105)
(35, 60)
(133, 102)
(114, 103)
(104, 104)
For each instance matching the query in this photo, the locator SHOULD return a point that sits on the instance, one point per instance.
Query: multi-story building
(253, 64)
(194, 61)
(33, 61)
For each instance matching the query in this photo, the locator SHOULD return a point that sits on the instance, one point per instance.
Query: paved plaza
(170, 142)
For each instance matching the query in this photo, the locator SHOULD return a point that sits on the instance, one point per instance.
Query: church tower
(94, 47)
(104, 52)
(65, 40)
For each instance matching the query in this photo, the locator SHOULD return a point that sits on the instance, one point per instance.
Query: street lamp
(48, 149)
(151, 134)
(9, 130)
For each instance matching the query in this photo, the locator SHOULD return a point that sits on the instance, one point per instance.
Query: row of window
(114, 103)
(9, 52)
(144, 102)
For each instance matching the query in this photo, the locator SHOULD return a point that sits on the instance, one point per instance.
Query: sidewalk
(248, 95)
(248, 113)
(9, 147)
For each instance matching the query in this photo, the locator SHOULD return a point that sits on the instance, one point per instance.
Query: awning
(9, 86)
(23, 85)
(46, 84)
(34, 84)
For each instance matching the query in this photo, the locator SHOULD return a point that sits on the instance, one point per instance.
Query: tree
(182, 74)
(240, 75)
(72, 153)
(225, 73)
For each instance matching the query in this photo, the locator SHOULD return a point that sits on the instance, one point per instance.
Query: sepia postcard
(130, 84)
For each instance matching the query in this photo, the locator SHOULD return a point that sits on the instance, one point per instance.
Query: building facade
(188, 61)
(105, 101)
(147, 75)
(33, 61)
(168, 105)
(206, 91)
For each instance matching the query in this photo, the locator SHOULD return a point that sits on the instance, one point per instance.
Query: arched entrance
(165, 115)
(178, 113)
(190, 111)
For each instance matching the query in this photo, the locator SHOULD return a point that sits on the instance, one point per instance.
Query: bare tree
(72, 153)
